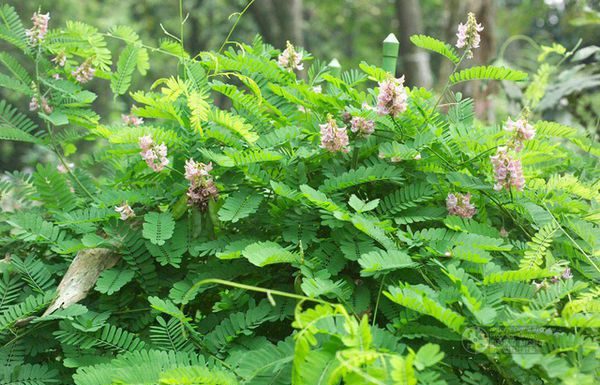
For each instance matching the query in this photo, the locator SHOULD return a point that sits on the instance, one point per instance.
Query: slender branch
(181, 22)
(258, 289)
(448, 81)
(235, 25)
(590, 260)
(378, 298)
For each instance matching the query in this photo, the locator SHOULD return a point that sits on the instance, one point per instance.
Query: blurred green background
(352, 31)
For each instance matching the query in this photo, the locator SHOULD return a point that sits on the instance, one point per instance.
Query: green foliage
(435, 45)
(267, 253)
(239, 205)
(487, 73)
(121, 79)
(158, 227)
(111, 281)
(11, 27)
(257, 256)
(15, 125)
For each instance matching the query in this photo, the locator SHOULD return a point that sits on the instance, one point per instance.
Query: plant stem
(64, 163)
(378, 298)
(259, 290)
(235, 25)
(448, 81)
(181, 21)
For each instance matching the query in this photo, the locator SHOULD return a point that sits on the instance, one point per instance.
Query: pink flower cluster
(565, 275)
(468, 34)
(333, 138)
(63, 170)
(60, 59)
(290, 59)
(154, 155)
(125, 211)
(84, 73)
(508, 171)
(132, 120)
(362, 126)
(459, 204)
(202, 187)
(37, 33)
(392, 97)
(37, 102)
(522, 131)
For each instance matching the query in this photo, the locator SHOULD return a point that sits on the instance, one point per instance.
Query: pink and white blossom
(363, 126)
(40, 102)
(154, 155)
(84, 73)
(334, 138)
(290, 59)
(202, 187)
(522, 131)
(125, 211)
(132, 120)
(459, 204)
(63, 170)
(468, 34)
(508, 171)
(392, 98)
(37, 32)
(60, 59)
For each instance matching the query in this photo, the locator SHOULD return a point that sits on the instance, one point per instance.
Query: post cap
(391, 38)
(334, 63)
(391, 45)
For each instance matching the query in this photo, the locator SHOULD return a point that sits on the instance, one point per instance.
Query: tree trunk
(455, 11)
(264, 14)
(290, 17)
(486, 13)
(416, 63)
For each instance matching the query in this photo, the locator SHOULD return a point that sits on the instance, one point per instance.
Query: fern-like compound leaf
(487, 73)
(239, 205)
(435, 45)
(158, 227)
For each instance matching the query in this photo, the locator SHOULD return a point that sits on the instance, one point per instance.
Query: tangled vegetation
(247, 225)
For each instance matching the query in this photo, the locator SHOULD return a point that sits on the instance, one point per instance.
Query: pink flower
(131, 119)
(333, 138)
(346, 117)
(196, 170)
(567, 274)
(34, 105)
(507, 171)
(125, 210)
(392, 97)
(42, 102)
(363, 126)
(503, 233)
(60, 59)
(539, 286)
(460, 205)
(290, 59)
(45, 106)
(202, 187)
(522, 131)
(56, 76)
(468, 34)
(154, 155)
(63, 170)
(37, 33)
(84, 73)
(366, 106)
